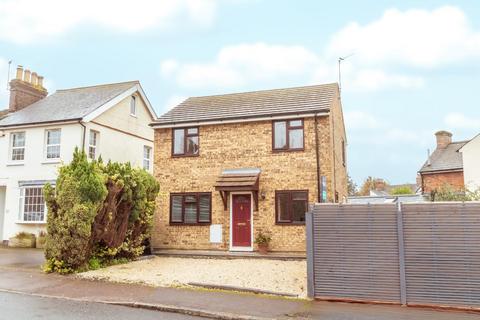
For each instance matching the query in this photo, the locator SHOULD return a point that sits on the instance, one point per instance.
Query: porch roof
(238, 180)
(244, 179)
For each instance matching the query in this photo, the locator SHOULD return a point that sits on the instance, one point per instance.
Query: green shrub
(401, 190)
(97, 212)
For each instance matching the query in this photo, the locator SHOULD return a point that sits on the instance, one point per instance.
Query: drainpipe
(84, 134)
(319, 184)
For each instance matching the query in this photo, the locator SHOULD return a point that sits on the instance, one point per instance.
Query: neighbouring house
(444, 166)
(471, 163)
(39, 133)
(233, 166)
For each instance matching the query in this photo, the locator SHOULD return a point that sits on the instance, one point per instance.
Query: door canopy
(238, 180)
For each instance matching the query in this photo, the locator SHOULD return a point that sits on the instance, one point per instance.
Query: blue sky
(415, 68)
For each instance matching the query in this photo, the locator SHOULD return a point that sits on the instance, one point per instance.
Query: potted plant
(40, 243)
(22, 240)
(262, 240)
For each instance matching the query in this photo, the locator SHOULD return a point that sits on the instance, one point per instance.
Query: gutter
(273, 116)
(39, 124)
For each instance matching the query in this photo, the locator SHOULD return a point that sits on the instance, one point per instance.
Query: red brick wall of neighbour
(243, 145)
(434, 181)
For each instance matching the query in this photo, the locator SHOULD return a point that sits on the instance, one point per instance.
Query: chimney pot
(26, 76)
(19, 75)
(34, 79)
(444, 138)
(40, 82)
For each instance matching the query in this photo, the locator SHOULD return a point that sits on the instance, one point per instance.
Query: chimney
(25, 89)
(379, 185)
(444, 138)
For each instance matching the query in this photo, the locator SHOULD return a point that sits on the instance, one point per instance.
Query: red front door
(241, 224)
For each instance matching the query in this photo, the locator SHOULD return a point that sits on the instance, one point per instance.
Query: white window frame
(147, 160)
(133, 106)
(21, 218)
(93, 146)
(47, 131)
(14, 148)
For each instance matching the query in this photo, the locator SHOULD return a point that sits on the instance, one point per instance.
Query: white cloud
(456, 120)
(415, 38)
(240, 64)
(420, 38)
(360, 120)
(24, 21)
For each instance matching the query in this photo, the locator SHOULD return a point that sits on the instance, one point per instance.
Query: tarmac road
(24, 307)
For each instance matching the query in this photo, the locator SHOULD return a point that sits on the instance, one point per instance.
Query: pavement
(25, 307)
(20, 273)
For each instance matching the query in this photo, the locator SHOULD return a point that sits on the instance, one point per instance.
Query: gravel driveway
(271, 275)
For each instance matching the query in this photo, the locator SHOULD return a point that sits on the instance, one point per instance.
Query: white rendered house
(38, 133)
(471, 163)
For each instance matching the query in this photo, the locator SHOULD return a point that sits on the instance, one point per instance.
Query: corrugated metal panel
(442, 253)
(355, 252)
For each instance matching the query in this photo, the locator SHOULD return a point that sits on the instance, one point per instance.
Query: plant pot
(262, 248)
(21, 242)
(40, 243)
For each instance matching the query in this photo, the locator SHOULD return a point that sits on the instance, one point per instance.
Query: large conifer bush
(97, 214)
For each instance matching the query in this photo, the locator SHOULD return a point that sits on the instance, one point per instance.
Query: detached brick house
(234, 165)
(444, 166)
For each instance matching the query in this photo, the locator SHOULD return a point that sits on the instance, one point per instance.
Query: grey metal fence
(422, 253)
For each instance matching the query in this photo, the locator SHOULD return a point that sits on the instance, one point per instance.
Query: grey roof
(445, 159)
(253, 104)
(68, 104)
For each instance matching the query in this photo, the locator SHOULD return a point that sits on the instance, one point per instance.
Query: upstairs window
(147, 155)
(288, 135)
(32, 204)
(52, 144)
(185, 142)
(17, 146)
(190, 208)
(93, 144)
(133, 106)
(291, 206)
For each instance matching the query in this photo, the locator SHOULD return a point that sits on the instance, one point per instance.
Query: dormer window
(133, 106)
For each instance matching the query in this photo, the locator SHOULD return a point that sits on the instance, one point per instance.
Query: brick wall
(233, 146)
(434, 181)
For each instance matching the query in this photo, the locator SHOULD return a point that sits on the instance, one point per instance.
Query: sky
(413, 67)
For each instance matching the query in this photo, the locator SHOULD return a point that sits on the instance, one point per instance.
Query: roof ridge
(264, 90)
(98, 85)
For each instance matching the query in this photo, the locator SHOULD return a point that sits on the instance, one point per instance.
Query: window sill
(179, 224)
(30, 222)
(12, 164)
(287, 150)
(51, 161)
(290, 223)
(185, 155)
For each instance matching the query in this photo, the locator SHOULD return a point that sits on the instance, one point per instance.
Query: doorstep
(216, 254)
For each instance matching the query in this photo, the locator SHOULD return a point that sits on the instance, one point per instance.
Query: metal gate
(425, 254)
